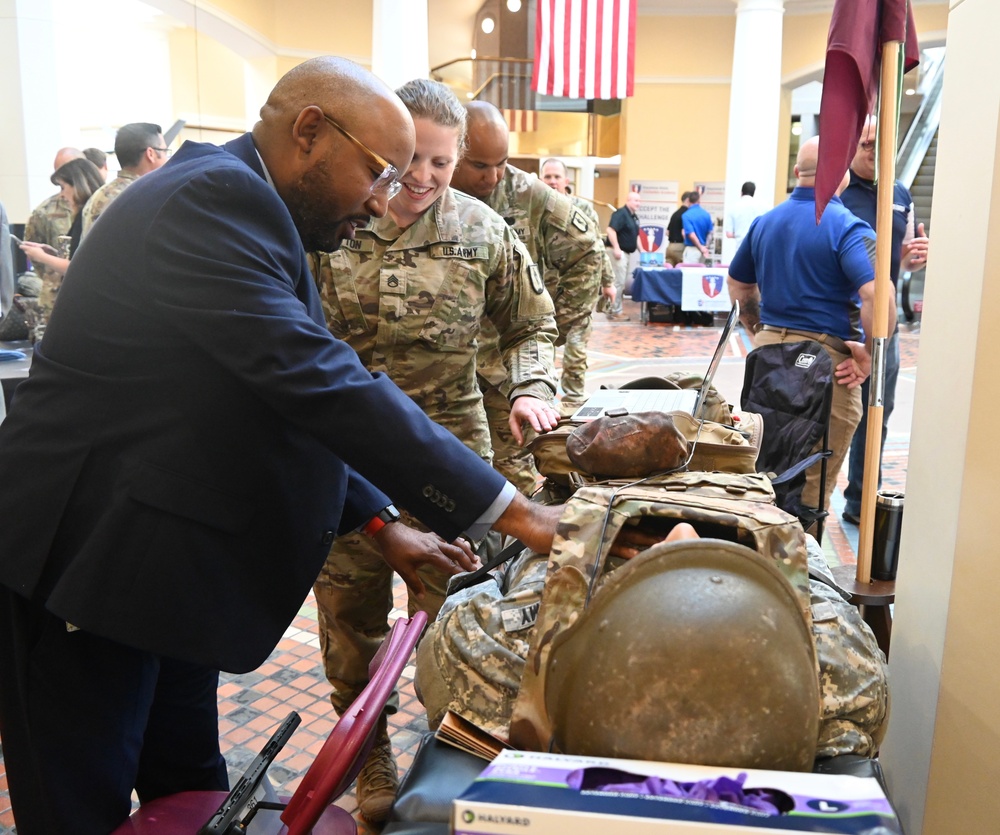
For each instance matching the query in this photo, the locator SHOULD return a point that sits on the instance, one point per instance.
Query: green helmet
(695, 651)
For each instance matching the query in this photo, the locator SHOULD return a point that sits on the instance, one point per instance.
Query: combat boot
(378, 781)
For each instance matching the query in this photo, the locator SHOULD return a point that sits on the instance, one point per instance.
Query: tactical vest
(737, 507)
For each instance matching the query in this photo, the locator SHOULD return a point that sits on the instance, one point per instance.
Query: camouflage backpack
(730, 506)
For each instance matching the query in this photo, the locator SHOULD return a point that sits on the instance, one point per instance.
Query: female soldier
(77, 180)
(407, 293)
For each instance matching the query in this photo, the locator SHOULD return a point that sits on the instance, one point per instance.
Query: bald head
(486, 149)
(805, 162)
(64, 155)
(325, 176)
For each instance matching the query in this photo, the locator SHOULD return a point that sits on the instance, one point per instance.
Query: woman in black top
(78, 179)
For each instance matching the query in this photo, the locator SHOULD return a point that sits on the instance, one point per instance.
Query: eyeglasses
(867, 146)
(387, 182)
(166, 151)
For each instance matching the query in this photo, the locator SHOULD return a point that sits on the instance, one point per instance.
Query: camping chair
(247, 808)
(790, 384)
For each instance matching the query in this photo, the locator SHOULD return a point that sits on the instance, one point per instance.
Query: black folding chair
(790, 385)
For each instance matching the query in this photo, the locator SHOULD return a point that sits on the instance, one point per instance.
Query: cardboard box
(523, 792)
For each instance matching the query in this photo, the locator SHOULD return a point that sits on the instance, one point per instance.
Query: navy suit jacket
(189, 439)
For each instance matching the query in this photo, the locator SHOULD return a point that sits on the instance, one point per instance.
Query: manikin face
(554, 176)
(429, 174)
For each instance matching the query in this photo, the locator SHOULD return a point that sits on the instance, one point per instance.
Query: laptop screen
(713, 366)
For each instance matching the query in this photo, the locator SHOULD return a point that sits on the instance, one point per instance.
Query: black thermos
(888, 526)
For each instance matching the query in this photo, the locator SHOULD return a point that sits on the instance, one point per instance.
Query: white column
(32, 114)
(399, 40)
(754, 103)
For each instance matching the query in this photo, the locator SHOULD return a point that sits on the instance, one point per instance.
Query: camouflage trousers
(513, 462)
(353, 601)
(574, 362)
(472, 657)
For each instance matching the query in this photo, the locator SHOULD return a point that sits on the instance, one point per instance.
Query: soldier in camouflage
(472, 658)
(49, 222)
(561, 240)
(574, 364)
(408, 293)
(139, 148)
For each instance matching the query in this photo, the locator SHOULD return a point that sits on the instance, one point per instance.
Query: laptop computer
(660, 400)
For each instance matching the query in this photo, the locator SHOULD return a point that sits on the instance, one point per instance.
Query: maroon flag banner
(858, 28)
(585, 49)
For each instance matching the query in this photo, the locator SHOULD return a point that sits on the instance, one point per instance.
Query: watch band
(385, 516)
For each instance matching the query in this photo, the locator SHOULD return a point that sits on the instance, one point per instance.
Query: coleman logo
(804, 360)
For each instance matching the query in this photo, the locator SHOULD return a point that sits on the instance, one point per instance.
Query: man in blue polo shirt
(908, 252)
(796, 279)
(698, 225)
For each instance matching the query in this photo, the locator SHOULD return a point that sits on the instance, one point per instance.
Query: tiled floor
(252, 705)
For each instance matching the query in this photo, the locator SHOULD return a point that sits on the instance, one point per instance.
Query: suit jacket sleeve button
(328, 537)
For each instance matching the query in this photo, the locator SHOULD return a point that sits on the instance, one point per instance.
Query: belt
(834, 342)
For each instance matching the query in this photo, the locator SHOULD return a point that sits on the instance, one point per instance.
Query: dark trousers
(856, 459)
(84, 720)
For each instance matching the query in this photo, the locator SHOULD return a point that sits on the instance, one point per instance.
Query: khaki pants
(845, 415)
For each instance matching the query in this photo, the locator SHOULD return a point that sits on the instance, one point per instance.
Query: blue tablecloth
(658, 285)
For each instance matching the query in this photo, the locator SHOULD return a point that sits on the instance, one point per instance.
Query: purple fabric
(717, 790)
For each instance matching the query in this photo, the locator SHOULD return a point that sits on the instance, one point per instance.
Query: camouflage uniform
(47, 224)
(564, 243)
(472, 657)
(101, 199)
(410, 303)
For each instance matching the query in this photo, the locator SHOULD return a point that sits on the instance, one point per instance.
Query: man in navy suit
(188, 443)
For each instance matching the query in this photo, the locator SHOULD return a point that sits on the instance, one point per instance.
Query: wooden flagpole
(888, 118)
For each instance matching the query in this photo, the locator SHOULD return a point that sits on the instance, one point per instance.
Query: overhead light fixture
(797, 129)
(514, 5)
(910, 91)
(470, 95)
(487, 24)
(473, 55)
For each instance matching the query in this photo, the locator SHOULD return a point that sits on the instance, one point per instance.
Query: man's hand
(854, 371)
(540, 415)
(534, 524)
(617, 253)
(609, 293)
(405, 549)
(914, 251)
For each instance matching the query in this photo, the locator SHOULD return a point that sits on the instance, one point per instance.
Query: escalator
(915, 164)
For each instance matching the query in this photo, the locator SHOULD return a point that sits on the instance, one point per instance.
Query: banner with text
(659, 201)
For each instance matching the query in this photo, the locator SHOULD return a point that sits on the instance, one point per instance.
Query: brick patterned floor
(251, 706)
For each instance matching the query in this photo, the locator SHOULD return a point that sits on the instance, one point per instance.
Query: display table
(12, 372)
(656, 285)
(695, 289)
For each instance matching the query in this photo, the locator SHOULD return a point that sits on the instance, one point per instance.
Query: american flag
(585, 49)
